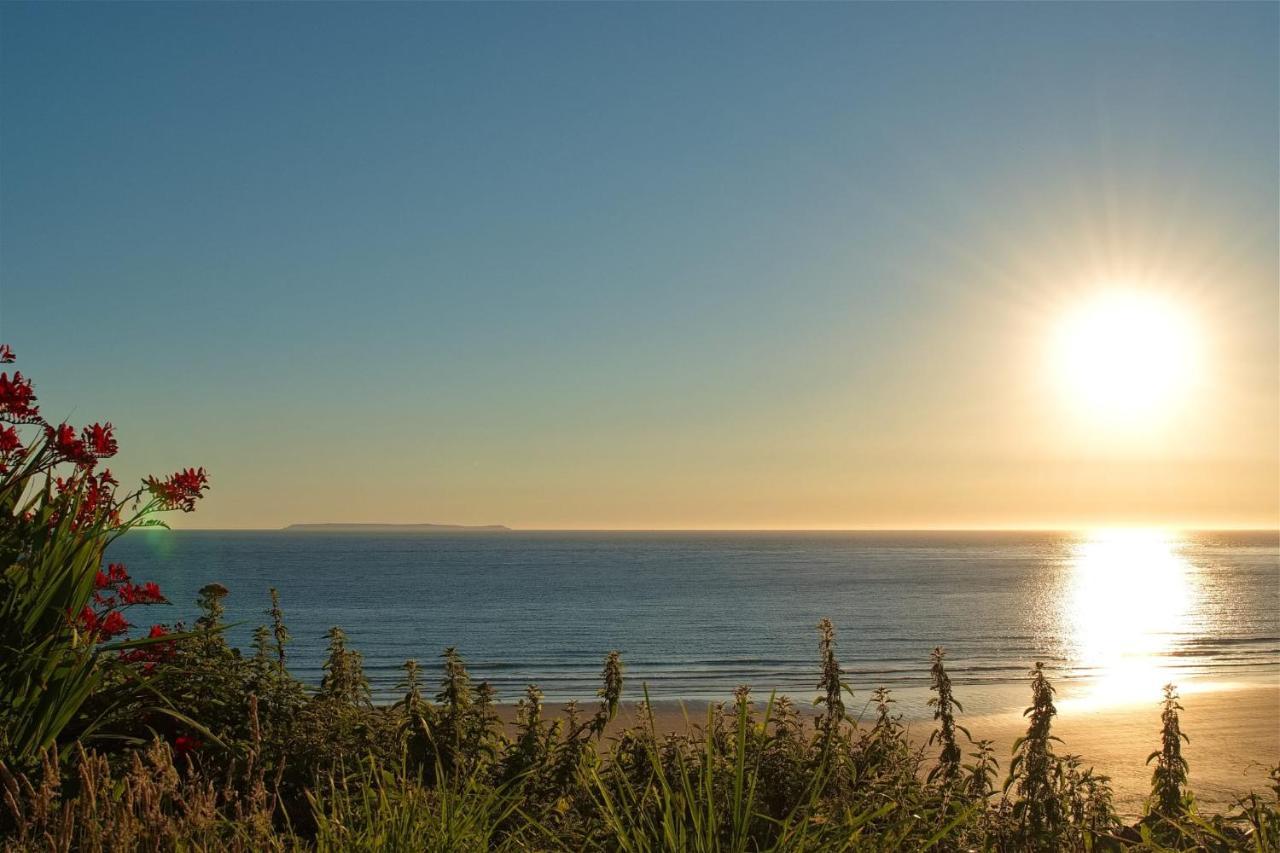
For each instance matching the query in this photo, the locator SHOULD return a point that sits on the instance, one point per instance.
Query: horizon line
(494, 529)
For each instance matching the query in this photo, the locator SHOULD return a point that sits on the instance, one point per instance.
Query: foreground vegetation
(176, 740)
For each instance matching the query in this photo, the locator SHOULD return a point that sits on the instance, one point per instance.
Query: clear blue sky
(637, 265)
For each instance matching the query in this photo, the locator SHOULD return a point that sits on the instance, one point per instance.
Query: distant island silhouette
(343, 527)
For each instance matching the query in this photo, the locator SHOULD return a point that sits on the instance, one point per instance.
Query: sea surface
(697, 614)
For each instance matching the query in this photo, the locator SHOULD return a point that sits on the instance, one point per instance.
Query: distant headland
(342, 527)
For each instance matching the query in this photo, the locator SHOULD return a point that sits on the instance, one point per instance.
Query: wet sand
(1234, 731)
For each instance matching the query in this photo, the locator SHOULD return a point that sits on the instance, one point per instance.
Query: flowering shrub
(63, 622)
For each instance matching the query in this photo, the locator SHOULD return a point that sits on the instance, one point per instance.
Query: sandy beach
(1234, 731)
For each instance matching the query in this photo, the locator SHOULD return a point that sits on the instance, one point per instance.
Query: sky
(647, 266)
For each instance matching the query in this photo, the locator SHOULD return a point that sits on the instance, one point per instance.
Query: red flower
(117, 572)
(101, 581)
(16, 398)
(150, 655)
(102, 627)
(9, 441)
(112, 625)
(89, 620)
(64, 441)
(6, 354)
(95, 442)
(10, 446)
(183, 744)
(100, 440)
(96, 494)
(180, 490)
(100, 487)
(148, 593)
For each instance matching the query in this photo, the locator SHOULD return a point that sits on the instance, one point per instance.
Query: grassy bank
(243, 756)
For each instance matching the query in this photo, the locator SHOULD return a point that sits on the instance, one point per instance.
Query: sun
(1126, 356)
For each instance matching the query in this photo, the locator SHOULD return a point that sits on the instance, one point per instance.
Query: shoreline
(1234, 731)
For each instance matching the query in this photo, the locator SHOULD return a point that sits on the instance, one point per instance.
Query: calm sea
(696, 614)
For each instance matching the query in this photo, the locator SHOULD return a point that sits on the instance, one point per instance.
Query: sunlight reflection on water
(695, 614)
(1131, 599)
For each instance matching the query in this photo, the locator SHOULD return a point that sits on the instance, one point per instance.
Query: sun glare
(1131, 600)
(1126, 356)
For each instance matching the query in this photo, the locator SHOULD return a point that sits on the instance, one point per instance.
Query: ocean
(697, 614)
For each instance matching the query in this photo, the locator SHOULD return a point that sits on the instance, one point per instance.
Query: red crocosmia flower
(117, 572)
(10, 446)
(98, 489)
(64, 441)
(100, 439)
(152, 654)
(16, 398)
(183, 744)
(9, 441)
(101, 581)
(6, 354)
(112, 625)
(148, 593)
(180, 490)
(102, 627)
(89, 620)
(96, 493)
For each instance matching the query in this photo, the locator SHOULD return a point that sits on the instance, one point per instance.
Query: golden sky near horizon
(1091, 385)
